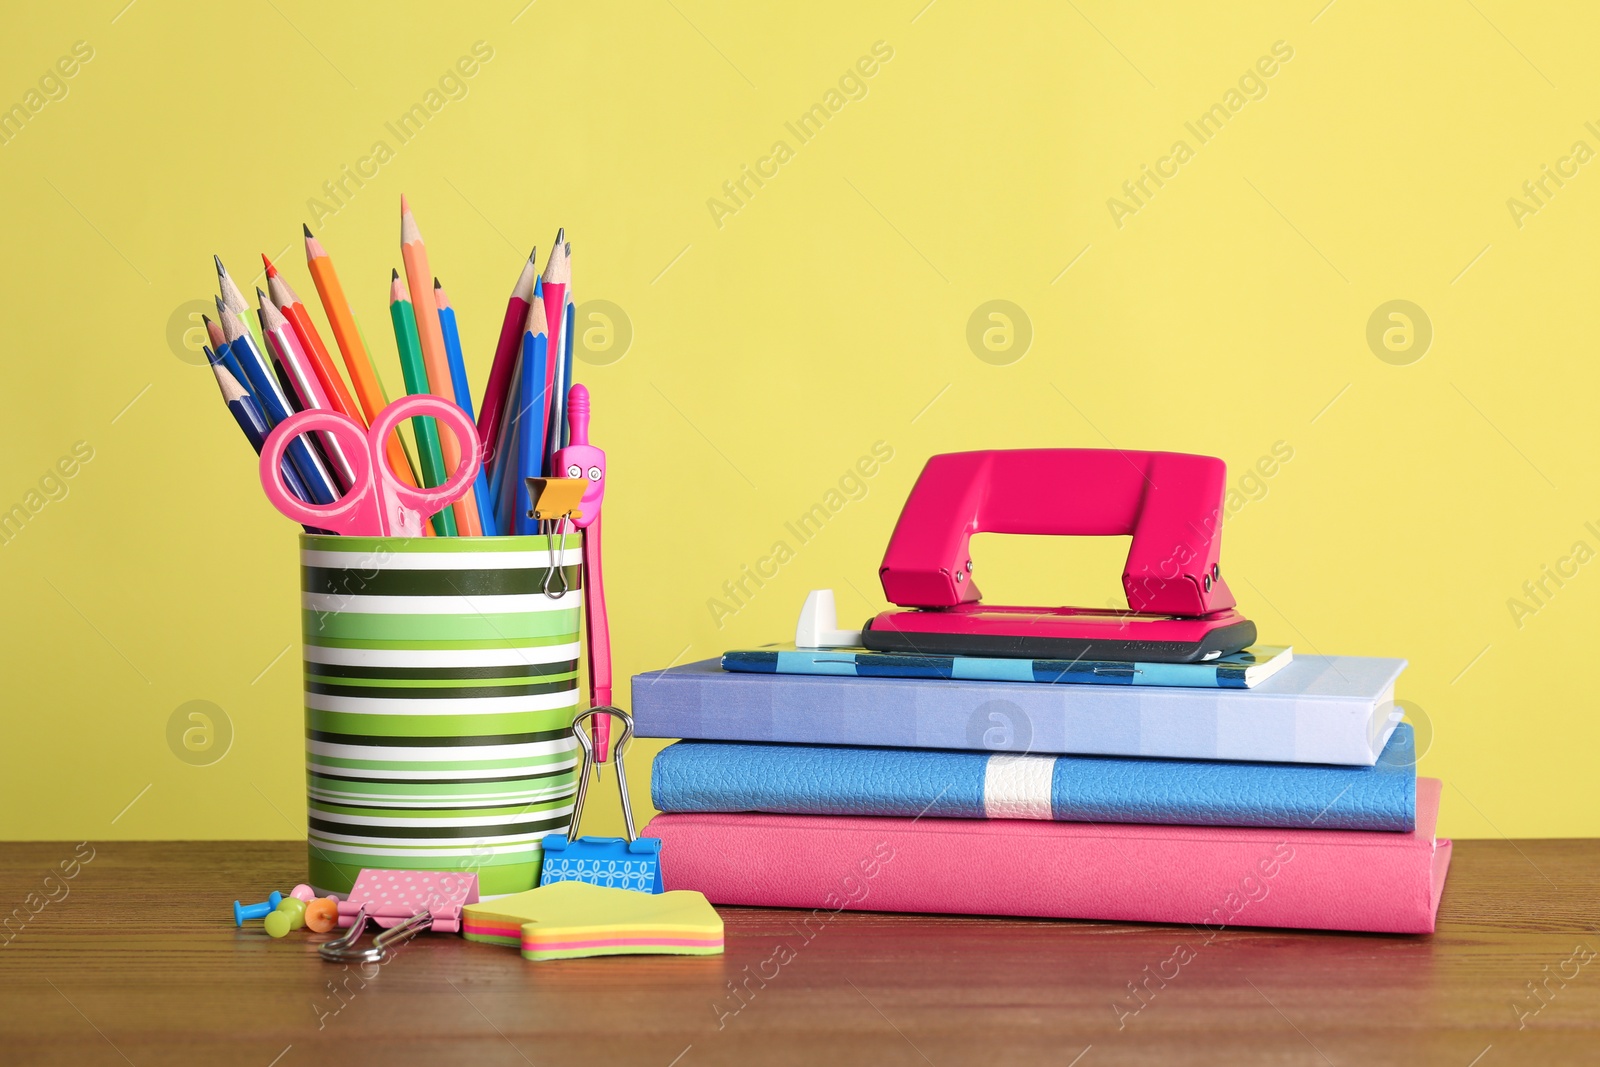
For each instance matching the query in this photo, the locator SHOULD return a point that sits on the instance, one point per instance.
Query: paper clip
(555, 503)
(634, 863)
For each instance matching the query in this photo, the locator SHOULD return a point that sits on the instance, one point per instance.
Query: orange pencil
(362, 374)
(419, 279)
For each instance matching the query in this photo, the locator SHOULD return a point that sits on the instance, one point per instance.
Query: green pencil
(428, 450)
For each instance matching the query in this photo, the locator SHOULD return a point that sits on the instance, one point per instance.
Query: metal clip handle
(344, 949)
(587, 744)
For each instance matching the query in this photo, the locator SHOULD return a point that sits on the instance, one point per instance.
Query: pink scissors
(378, 504)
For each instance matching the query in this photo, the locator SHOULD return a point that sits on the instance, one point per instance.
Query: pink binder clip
(403, 903)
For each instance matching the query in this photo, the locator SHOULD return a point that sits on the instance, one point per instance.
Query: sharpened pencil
(507, 350)
(429, 452)
(254, 424)
(235, 302)
(353, 348)
(293, 309)
(303, 377)
(463, 395)
(414, 256)
(557, 279)
(220, 351)
(275, 406)
(532, 409)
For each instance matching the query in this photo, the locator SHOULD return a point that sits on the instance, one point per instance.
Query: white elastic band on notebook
(1017, 787)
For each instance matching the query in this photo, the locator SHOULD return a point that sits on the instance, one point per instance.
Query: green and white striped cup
(441, 681)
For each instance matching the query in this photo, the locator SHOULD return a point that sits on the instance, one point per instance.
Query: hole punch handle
(587, 745)
(1169, 502)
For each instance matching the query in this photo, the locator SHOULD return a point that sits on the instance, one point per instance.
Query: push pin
(304, 893)
(241, 912)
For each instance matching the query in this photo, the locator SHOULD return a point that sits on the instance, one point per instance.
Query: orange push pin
(322, 915)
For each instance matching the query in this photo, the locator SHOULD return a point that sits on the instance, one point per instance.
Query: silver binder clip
(345, 950)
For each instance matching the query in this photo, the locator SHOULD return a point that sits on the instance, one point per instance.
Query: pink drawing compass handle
(580, 459)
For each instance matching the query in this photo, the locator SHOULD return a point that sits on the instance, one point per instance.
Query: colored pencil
(557, 277)
(507, 350)
(220, 351)
(254, 424)
(503, 479)
(297, 364)
(275, 406)
(463, 396)
(431, 456)
(532, 407)
(414, 256)
(566, 371)
(294, 311)
(353, 348)
(235, 302)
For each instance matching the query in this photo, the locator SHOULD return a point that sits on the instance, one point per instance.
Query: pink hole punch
(403, 904)
(1179, 608)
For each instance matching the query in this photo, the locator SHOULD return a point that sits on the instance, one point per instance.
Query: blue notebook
(1241, 670)
(721, 776)
(1318, 709)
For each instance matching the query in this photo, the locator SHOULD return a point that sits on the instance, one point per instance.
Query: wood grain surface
(136, 960)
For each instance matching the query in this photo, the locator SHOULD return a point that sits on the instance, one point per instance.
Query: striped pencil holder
(441, 681)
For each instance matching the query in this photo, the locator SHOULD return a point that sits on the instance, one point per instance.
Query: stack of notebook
(1267, 789)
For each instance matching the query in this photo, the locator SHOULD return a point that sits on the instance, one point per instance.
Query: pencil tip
(221, 270)
(205, 320)
(533, 254)
(305, 229)
(271, 270)
(561, 235)
(261, 298)
(404, 206)
(394, 274)
(436, 284)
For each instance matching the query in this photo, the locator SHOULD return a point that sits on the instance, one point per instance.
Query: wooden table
(137, 961)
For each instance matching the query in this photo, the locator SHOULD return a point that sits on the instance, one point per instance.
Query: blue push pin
(241, 912)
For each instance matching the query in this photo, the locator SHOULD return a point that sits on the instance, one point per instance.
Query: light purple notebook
(1318, 709)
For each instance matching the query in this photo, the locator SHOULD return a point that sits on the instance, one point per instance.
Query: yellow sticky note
(569, 920)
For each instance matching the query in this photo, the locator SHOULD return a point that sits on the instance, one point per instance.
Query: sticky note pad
(569, 920)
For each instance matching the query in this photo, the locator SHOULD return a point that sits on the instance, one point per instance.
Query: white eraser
(819, 624)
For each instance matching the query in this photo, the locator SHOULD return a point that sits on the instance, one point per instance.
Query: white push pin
(819, 624)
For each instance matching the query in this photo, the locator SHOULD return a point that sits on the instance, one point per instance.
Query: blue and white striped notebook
(1241, 670)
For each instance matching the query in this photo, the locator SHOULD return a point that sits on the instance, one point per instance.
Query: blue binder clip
(634, 863)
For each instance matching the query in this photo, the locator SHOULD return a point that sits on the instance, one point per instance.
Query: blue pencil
(463, 392)
(275, 407)
(223, 354)
(530, 447)
(252, 422)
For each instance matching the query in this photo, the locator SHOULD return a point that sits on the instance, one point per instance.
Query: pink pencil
(307, 387)
(506, 351)
(557, 276)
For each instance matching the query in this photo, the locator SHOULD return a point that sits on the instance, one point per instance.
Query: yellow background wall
(774, 344)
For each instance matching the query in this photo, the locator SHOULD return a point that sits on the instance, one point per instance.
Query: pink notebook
(1219, 876)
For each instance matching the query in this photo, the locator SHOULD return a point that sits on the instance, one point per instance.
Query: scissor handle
(426, 502)
(345, 515)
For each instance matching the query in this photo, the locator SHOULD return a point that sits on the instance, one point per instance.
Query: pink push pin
(303, 892)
